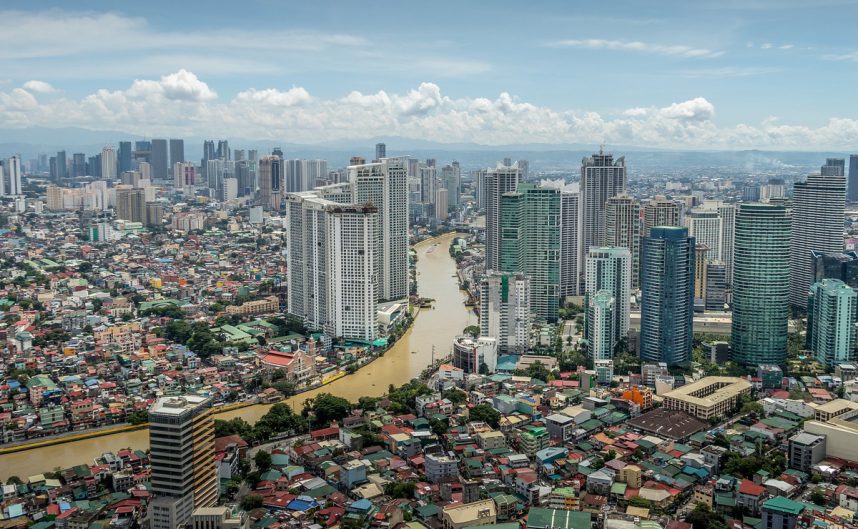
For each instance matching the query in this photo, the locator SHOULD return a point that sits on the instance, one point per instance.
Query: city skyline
(707, 76)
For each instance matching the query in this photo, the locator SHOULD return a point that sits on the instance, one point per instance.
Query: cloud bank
(182, 104)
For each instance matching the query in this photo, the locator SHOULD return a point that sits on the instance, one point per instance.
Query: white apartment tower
(505, 310)
(570, 237)
(500, 180)
(660, 211)
(608, 271)
(602, 177)
(622, 229)
(331, 272)
(818, 214)
(384, 184)
(108, 163)
(706, 226)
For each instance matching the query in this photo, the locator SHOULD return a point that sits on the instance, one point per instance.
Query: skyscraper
(601, 178)
(716, 285)
(727, 212)
(184, 473)
(331, 268)
(223, 151)
(835, 265)
(500, 180)
(177, 151)
(79, 164)
(14, 170)
(761, 275)
(160, 163)
(623, 229)
(380, 151)
(530, 243)
(667, 305)
(706, 227)
(569, 237)
(428, 184)
(833, 167)
(608, 293)
(270, 181)
(62, 166)
(818, 217)
(700, 271)
(660, 211)
(125, 156)
(385, 186)
(108, 163)
(853, 178)
(130, 204)
(505, 310)
(451, 180)
(832, 311)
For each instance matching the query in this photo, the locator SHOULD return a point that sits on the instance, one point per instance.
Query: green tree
(702, 517)
(326, 408)
(485, 413)
(262, 459)
(473, 330)
(818, 497)
(637, 501)
(138, 417)
(250, 502)
(400, 489)
(456, 396)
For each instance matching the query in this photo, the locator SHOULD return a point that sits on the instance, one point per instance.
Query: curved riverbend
(405, 360)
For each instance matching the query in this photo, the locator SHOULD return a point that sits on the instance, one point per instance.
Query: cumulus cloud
(677, 50)
(39, 87)
(182, 104)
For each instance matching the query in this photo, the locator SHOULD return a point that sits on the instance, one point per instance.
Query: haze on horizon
(764, 74)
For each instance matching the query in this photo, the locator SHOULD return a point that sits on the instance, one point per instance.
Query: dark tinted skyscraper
(853, 178)
(79, 164)
(380, 151)
(667, 304)
(124, 156)
(177, 151)
(835, 265)
(62, 165)
(833, 167)
(159, 160)
(223, 150)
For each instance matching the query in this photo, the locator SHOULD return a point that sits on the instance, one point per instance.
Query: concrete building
(761, 284)
(660, 211)
(805, 450)
(600, 317)
(441, 468)
(709, 397)
(108, 163)
(474, 514)
(852, 194)
(332, 265)
(475, 355)
(184, 474)
(819, 206)
(602, 177)
(707, 228)
(131, 204)
(385, 186)
(570, 274)
(505, 310)
(499, 181)
(623, 229)
(840, 432)
(667, 299)
(160, 160)
(221, 517)
(832, 312)
(607, 299)
(270, 182)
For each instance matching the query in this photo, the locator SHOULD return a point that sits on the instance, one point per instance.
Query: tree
(473, 330)
(138, 417)
(538, 371)
(818, 497)
(637, 501)
(702, 517)
(400, 489)
(262, 459)
(456, 396)
(14, 480)
(250, 502)
(485, 413)
(327, 408)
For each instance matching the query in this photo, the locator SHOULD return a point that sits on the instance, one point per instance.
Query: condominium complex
(570, 276)
(505, 310)
(602, 177)
(660, 211)
(832, 312)
(184, 471)
(608, 291)
(709, 397)
(623, 229)
(498, 181)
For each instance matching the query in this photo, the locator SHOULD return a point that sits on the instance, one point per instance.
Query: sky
(719, 74)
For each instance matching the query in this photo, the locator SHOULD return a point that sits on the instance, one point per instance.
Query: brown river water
(405, 360)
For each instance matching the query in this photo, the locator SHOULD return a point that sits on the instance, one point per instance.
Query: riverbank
(408, 357)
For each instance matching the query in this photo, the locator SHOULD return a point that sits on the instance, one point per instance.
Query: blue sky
(722, 74)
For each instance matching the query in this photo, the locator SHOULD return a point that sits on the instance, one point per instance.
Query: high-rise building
(660, 211)
(833, 167)
(303, 175)
(505, 310)
(78, 164)
(2, 178)
(441, 208)
(428, 184)
(530, 243)
(701, 251)
(475, 355)
(500, 180)
(818, 216)
(62, 165)
(608, 281)
(184, 472)
(177, 151)
(835, 265)
(706, 227)
(451, 179)
(623, 229)
(125, 157)
(380, 151)
(160, 161)
(667, 304)
(331, 268)
(478, 177)
(94, 165)
(130, 204)
(108, 163)
(761, 284)
(602, 177)
(270, 182)
(569, 238)
(727, 212)
(184, 175)
(751, 193)
(832, 312)
(853, 178)
(14, 170)
(385, 185)
(716, 285)
(223, 151)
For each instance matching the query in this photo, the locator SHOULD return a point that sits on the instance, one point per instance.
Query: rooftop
(710, 390)
(673, 424)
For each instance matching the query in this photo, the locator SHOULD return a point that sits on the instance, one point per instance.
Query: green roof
(783, 505)
(540, 518)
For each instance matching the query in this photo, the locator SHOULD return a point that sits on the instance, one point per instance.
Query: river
(405, 360)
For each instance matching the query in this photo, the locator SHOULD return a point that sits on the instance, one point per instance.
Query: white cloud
(679, 50)
(182, 104)
(39, 87)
